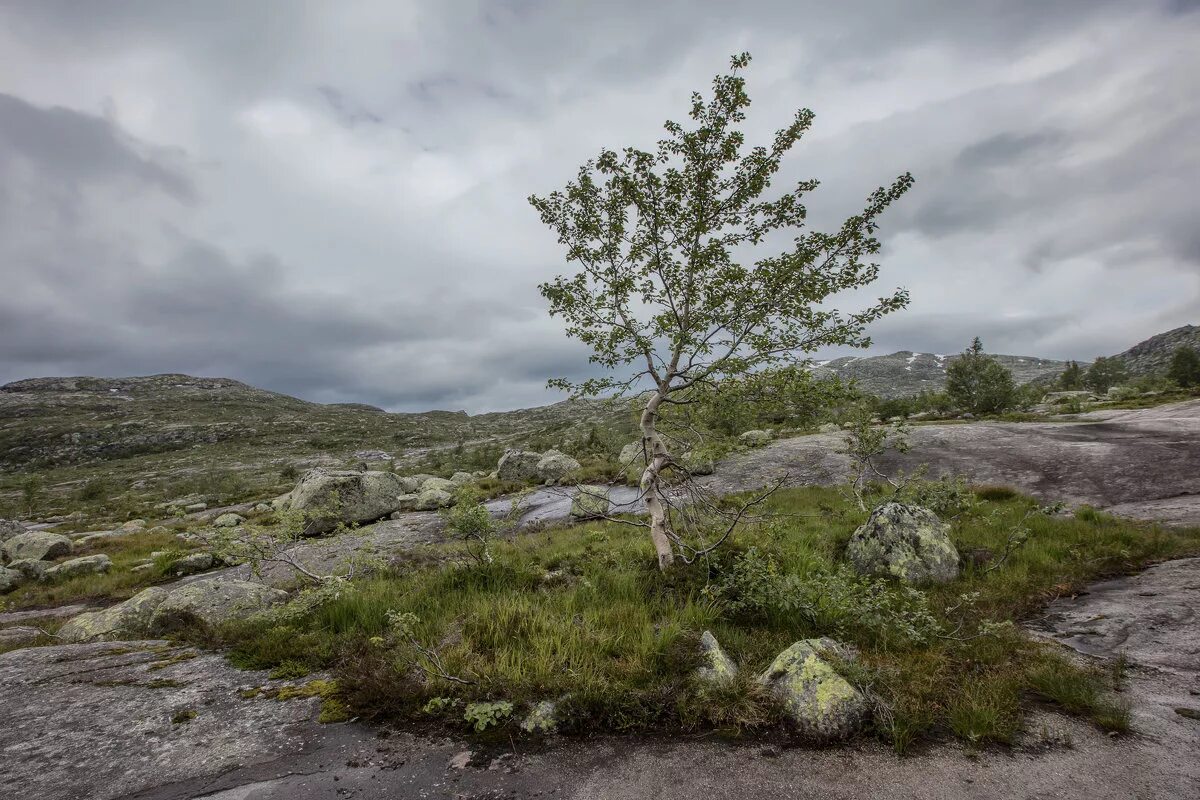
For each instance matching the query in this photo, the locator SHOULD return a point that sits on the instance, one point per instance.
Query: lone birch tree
(674, 290)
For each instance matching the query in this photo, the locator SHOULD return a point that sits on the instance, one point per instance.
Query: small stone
(718, 667)
(228, 520)
(543, 718)
(755, 438)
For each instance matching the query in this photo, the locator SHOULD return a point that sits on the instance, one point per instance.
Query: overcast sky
(328, 198)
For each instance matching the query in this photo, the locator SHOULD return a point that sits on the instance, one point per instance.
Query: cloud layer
(327, 199)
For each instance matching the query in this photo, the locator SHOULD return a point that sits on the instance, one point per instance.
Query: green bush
(978, 383)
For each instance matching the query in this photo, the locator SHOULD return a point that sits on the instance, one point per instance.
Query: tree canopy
(681, 281)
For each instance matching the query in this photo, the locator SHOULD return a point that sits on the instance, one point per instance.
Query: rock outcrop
(160, 610)
(821, 703)
(211, 602)
(906, 542)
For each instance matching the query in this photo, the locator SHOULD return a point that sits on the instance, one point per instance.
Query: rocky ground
(143, 719)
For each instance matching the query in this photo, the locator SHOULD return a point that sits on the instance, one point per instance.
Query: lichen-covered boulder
(590, 502)
(462, 478)
(433, 498)
(717, 667)
(755, 438)
(696, 464)
(829, 427)
(193, 563)
(553, 466)
(228, 520)
(632, 461)
(518, 465)
(10, 528)
(821, 703)
(906, 542)
(31, 568)
(38, 545)
(212, 602)
(133, 525)
(440, 484)
(542, 718)
(128, 620)
(10, 579)
(84, 565)
(330, 497)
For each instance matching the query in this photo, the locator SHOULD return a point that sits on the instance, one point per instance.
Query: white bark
(657, 459)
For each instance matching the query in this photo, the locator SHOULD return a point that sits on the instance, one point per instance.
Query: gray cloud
(328, 199)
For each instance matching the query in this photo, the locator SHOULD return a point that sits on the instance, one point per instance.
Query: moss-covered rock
(10, 579)
(905, 542)
(228, 520)
(821, 703)
(10, 528)
(717, 666)
(590, 502)
(433, 498)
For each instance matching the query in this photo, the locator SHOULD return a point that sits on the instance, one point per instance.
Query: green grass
(118, 583)
(615, 641)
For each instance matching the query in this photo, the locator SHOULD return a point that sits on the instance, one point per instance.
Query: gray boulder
(330, 497)
(31, 568)
(553, 466)
(433, 498)
(211, 602)
(755, 438)
(518, 465)
(84, 565)
(193, 563)
(590, 502)
(462, 478)
(906, 542)
(717, 666)
(128, 620)
(228, 520)
(10, 579)
(440, 484)
(10, 528)
(821, 703)
(133, 526)
(38, 545)
(829, 427)
(697, 464)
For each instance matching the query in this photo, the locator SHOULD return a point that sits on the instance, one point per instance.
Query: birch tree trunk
(657, 459)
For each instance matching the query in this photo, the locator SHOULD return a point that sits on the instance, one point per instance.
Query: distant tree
(1185, 367)
(979, 383)
(674, 293)
(788, 395)
(1071, 378)
(1105, 373)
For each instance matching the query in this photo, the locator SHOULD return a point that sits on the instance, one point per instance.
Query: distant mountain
(62, 421)
(1154, 355)
(908, 373)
